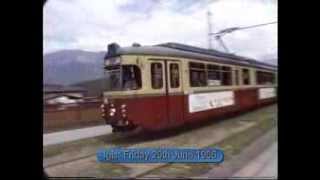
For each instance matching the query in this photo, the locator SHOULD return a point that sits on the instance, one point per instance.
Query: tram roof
(186, 51)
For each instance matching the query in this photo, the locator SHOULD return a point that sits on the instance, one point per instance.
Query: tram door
(174, 92)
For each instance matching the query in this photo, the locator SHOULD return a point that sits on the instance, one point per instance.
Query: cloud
(91, 25)
(251, 42)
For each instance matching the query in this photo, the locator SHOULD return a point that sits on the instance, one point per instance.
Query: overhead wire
(229, 30)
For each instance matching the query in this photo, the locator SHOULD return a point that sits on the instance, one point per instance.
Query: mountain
(271, 61)
(270, 58)
(71, 66)
(94, 87)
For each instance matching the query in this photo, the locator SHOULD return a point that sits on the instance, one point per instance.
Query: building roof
(53, 96)
(186, 51)
(53, 88)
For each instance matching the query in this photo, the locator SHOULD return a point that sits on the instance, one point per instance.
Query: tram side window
(214, 76)
(198, 76)
(174, 75)
(156, 76)
(265, 78)
(131, 77)
(245, 76)
(226, 76)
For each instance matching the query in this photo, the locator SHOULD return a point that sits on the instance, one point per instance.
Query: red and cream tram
(170, 85)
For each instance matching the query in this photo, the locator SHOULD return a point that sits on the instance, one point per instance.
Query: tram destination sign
(112, 61)
(205, 101)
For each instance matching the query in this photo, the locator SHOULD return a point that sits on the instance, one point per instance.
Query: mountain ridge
(67, 67)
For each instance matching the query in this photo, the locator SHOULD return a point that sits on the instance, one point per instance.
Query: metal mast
(209, 14)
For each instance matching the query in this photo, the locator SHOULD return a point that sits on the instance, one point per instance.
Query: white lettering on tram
(265, 93)
(205, 101)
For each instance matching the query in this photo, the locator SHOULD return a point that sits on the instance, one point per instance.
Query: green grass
(235, 143)
(113, 170)
(57, 149)
(231, 146)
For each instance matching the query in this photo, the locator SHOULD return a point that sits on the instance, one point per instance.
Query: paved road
(265, 165)
(71, 135)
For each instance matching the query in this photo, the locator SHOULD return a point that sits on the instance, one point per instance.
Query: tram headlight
(123, 110)
(102, 108)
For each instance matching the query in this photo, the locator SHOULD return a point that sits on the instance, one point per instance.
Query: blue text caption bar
(160, 155)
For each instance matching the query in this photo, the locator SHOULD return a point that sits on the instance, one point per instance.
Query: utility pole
(209, 29)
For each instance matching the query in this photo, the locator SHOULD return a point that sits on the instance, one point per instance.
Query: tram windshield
(122, 78)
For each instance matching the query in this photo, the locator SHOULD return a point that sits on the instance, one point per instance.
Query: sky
(92, 24)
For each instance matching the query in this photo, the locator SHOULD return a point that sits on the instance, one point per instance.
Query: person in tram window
(129, 80)
(175, 75)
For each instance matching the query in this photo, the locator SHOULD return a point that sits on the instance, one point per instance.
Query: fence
(68, 116)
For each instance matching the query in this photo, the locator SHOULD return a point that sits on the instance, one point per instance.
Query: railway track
(111, 137)
(120, 139)
(217, 130)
